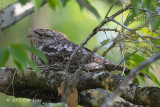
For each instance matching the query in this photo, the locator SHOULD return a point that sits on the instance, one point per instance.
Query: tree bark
(15, 12)
(45, 87)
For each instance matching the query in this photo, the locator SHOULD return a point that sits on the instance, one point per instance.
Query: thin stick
(134, 32)
(111, 8)
(128, 56)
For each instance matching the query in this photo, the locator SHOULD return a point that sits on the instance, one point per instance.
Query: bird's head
(39, 37)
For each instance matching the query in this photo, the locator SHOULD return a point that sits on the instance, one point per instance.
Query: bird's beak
(30, 36)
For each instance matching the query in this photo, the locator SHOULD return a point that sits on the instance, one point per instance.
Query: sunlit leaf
(53, 3)
(36, 52)
(147, 4)
(37, 4)
(138, 58)
(153, 78)
(131, 63)
(145, 72)
(136, 80)
(64, 2)
(87, 5)
(136, 3)
(134, 13)
(4, 55)
(155, 23)
(104, 42)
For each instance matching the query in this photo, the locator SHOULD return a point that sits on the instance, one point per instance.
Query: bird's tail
(109, 67)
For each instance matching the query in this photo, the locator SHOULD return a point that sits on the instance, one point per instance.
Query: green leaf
(134, 13)
(138, 58)
(132, 63)
(34, 66)
(36, 52)
(19, 67)
(146, 4)
(18, 54)
(136, 80)
(155, 23)
(104, 42)
(37, 4)
(153, 78)
(23, 2)
(4, 55)
(86, 4)
(53, 3)
(130, 18)
(136, 3)
(21, 59)
(64, 2)
(80, 4)
(145, 72)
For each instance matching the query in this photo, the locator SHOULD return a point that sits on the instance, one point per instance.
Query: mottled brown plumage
(58, 50)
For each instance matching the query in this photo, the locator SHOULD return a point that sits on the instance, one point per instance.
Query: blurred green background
(70, 20)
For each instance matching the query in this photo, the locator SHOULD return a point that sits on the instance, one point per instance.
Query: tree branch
(15, 12)
(45, 87)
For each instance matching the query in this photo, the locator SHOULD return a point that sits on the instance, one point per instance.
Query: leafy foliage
(64, 2)
(37, 4)
(4, 54)
(136, 59)
(104, 42)
(20, 57)
(23, 1)
(87, 5)
(155, 23)
(36, 52)
(53, 3)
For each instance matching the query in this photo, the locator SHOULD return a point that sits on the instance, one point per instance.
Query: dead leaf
(72, 98)
(61, 88)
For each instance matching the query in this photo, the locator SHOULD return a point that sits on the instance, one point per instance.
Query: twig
(146, 11)
(95, 30)
(129, 79)
(134, 32)
(12, 82)
(112, 45)
(76, 75)
(128, 56)
(115, 40)
(108, 29)
(127, 17)
(149, 37)
(121, 46)
(84, 42)
(122, 54)
(121, 11)
(111, 8)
